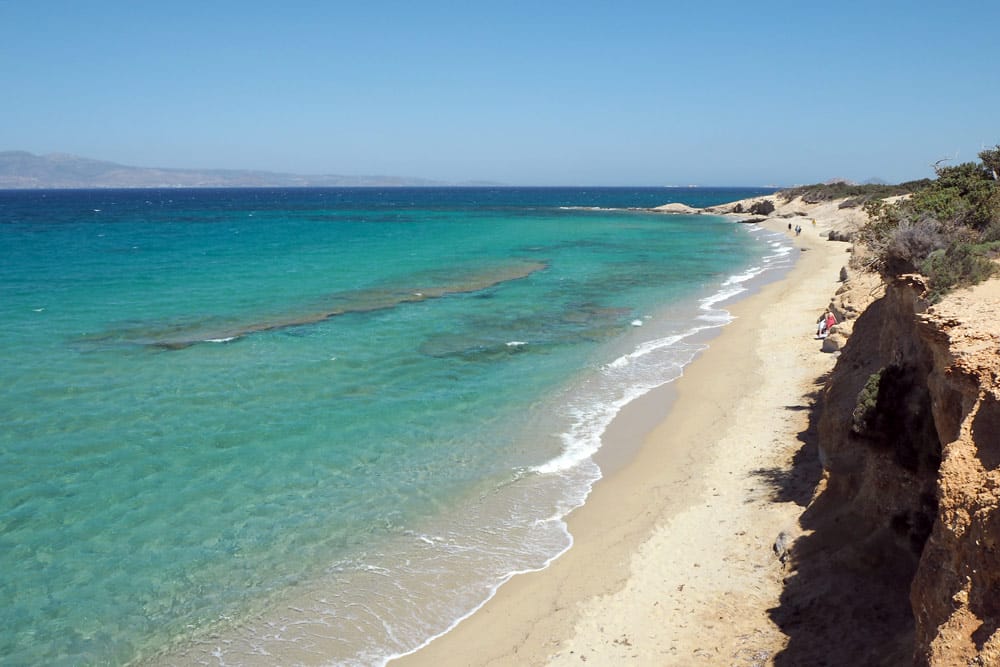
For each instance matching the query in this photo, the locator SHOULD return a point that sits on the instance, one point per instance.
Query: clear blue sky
(536, 93)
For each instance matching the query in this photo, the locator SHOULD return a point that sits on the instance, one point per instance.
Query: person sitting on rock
(824, 324)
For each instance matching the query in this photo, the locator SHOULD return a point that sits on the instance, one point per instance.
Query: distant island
(23, 170)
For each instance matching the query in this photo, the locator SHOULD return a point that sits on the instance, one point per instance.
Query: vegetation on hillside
(948, 229)
(856, 195)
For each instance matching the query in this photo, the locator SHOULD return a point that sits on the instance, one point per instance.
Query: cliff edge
(956, 591)
(899, 560)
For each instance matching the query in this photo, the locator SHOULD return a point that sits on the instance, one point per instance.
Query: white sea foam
(780, 250)
(650, 364)
(647, 347)
(516, 343)
(752, 272)
(708, 303)
(619, 362)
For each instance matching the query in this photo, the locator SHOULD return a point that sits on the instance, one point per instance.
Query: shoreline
(687, 497)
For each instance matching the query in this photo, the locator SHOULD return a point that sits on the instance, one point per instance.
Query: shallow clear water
(368, 406)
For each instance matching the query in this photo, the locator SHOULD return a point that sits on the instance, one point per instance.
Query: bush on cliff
(947, 230)
(892, 412)
(959, 264)
(864, 409)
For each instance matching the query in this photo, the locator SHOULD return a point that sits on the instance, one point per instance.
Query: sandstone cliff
(899, 561)
(956, 592)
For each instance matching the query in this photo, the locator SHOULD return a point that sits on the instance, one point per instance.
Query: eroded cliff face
(956, 592)
(907, 515)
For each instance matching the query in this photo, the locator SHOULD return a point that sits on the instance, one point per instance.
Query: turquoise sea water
(319, 426)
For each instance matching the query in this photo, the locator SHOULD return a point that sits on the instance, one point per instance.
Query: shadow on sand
(846, 593)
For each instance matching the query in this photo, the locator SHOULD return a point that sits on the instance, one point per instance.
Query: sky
(522, 93)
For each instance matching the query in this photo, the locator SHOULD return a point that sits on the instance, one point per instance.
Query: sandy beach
(674, 559)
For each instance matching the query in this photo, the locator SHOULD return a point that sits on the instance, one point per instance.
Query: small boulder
(781, 547)
(834, 342)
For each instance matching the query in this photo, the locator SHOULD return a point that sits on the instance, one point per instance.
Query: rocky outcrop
(902, 541)
(857, 291)
(677, 208)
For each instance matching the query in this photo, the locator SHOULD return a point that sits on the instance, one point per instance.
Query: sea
(321, 426)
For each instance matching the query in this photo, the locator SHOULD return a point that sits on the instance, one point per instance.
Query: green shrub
(765, 207)
(946, 230)
(864, 408)
(992, 233)
(959, 265)
(964, 194)
(991, 161)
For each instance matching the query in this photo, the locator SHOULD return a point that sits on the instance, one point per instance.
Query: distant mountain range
(23, 170)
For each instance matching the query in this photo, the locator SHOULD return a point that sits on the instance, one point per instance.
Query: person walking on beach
(798, 229)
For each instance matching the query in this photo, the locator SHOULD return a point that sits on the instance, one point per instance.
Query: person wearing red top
(824, 324)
